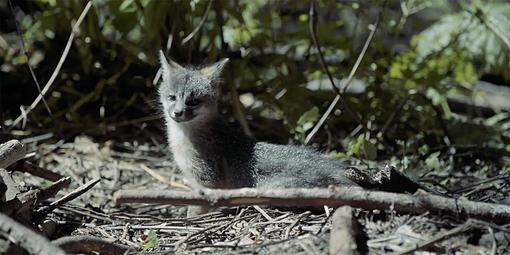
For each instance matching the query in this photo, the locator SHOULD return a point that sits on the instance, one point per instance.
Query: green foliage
(151, 241)
(450, 48)
(424, 53)
(432, 162)
(362, 148)
(306, 122)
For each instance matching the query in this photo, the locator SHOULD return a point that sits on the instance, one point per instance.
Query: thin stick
(52, 190)
(163, 179)
(72, 195)
(313, 34)
(202, 21)
(28, 167)
(468, 225)
(318, 197)
(57, 68)
(23, 47)
(268, 218)
(294, 223)
(339, 96)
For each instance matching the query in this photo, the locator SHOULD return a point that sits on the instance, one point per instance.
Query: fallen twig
(90, 245)
(468, 225)
(343, 232)
(334, 196)
(28, 167)
(11, 152)
(52, 190)
(72, 195)
(163, 179)
(25, 202)
(26, 238)
(294, 223)
(33, 197)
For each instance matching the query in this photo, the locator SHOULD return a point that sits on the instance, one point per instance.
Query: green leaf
(432, 162)
(308, 119)
(362, 148)
(151, 241)
(305, 122)
(355, 146)
(465, 74)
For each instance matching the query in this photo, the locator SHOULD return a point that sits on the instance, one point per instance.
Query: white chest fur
(182, 148)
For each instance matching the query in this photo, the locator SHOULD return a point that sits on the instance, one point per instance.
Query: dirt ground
(158, 229)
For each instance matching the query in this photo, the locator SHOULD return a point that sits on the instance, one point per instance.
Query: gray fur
(212, 154)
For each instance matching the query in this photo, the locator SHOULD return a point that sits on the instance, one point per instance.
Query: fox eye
(171, 97)
(193, 102)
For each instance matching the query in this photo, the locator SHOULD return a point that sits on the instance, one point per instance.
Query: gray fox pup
(213, 155)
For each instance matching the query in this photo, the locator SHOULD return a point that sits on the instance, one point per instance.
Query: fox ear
(168, 67)
(215, 69)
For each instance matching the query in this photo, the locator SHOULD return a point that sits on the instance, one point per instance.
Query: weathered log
(26, 238)
(11, 152)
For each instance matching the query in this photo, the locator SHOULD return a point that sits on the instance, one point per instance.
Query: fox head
(188, 94)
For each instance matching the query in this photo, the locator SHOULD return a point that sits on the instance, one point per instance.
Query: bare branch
(57, 68)
(333, 197)
(202, 21)
(339, 94)
(72, 195)
(23, 47)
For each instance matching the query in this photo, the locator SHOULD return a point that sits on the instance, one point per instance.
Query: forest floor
(157, 229)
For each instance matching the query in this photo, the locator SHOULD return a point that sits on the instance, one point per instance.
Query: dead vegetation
(72, 210)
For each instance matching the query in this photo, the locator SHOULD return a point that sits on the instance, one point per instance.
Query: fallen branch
(22, 204)
(28, 167)
(26, 238)
(72, 195)
(11, 152)
(333, 197)
(90, 245)
(52, 190)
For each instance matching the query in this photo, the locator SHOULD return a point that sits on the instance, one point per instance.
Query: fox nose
(178, 113)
